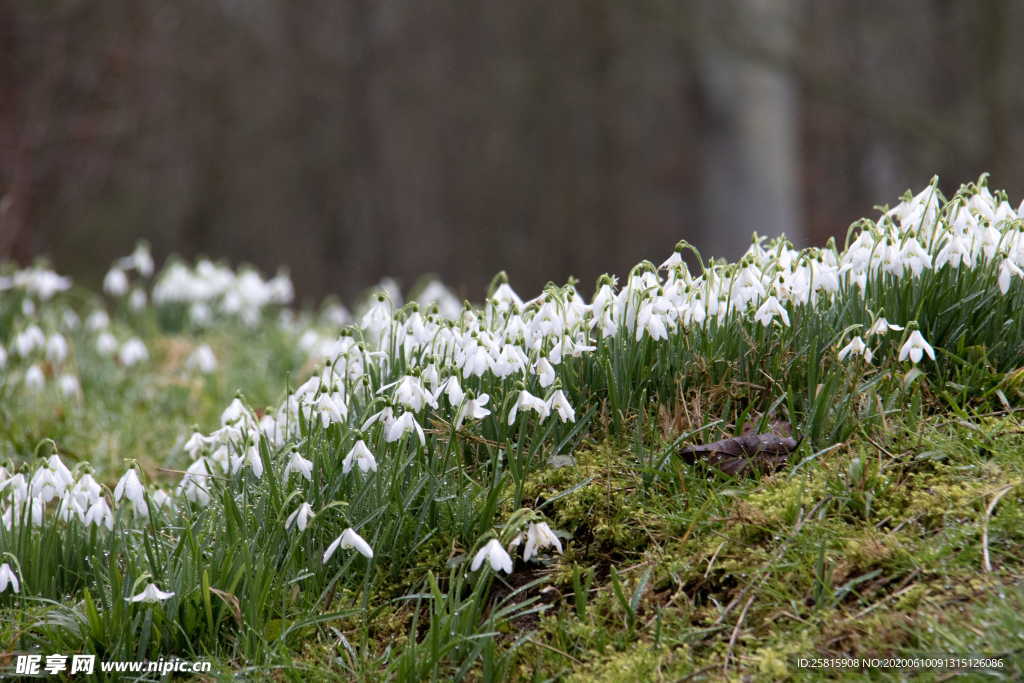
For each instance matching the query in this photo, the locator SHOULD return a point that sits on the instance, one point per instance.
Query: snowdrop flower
(538, 537)
(99, 514)
(69, 386)
(61, 474)
(349, 539)
(496, 556)
(332, 409)
(69, 509)
(254, 461)
(378, 317)
(545, 371)
(130, 488)
(385, 416)
(453, 390)
(86, 491)
(359, 456)
(34, 378)
(160, 499)
(133, 351)
(235, 412)
(560, 404)
(1007, 270)
(115, 283)
(45, 485)
(650, 319)
(97, 320)
(527, 401)
(3, 356)
(914, 256)
(202, 359)
(137, 300)
(8, 579)
(151, 594)
(769, 310)
(881, 326)
(412, 394)
(477, 362)
(140, 259)
(29, 340)
(856, 347)
(955, 252)
(193, 484)
(674, 260)
(473, 408)
(70, 319)
(56, 348)
(402, 425)
(106, 344)
(915, 347)
(298, 464)
(300, 517)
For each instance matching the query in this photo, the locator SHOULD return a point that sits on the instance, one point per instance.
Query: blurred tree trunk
(752, 153)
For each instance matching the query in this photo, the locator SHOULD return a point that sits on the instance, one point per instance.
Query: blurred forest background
(353, 139)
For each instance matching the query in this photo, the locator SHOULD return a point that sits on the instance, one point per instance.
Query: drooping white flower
(402, 425)
(202, 360)
(527, 401)
(69, 509)
(856, 347)
(116, 282)
(359, 456)
(97, 320)
(411, 393)
(472, 408)
(151, 594)
(538, 536)
(881, 326)
(453, 390)
(545, 371)
(133, 351)
(34, 378)
(130, 488)
(137, 300)
(8, 579)
(140, 259)
(349, 539)
(99, 513)
(56, 348)
(254, 461)
(1008, 270)
(955, 252)
(332, 408)
(915, 347)
(300, 517)
(912, 255)
(769, 310)
(296, 463)
(496, 556)
(235, 412)
(560, 404)
(161, 499)
(86, 490)
(193, 485)
(29, 340)
(674, 260)
(106, 344)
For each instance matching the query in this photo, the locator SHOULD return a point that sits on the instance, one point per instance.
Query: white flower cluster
(397, 365)
(209, 288)
(79, 497)
(37, 282)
